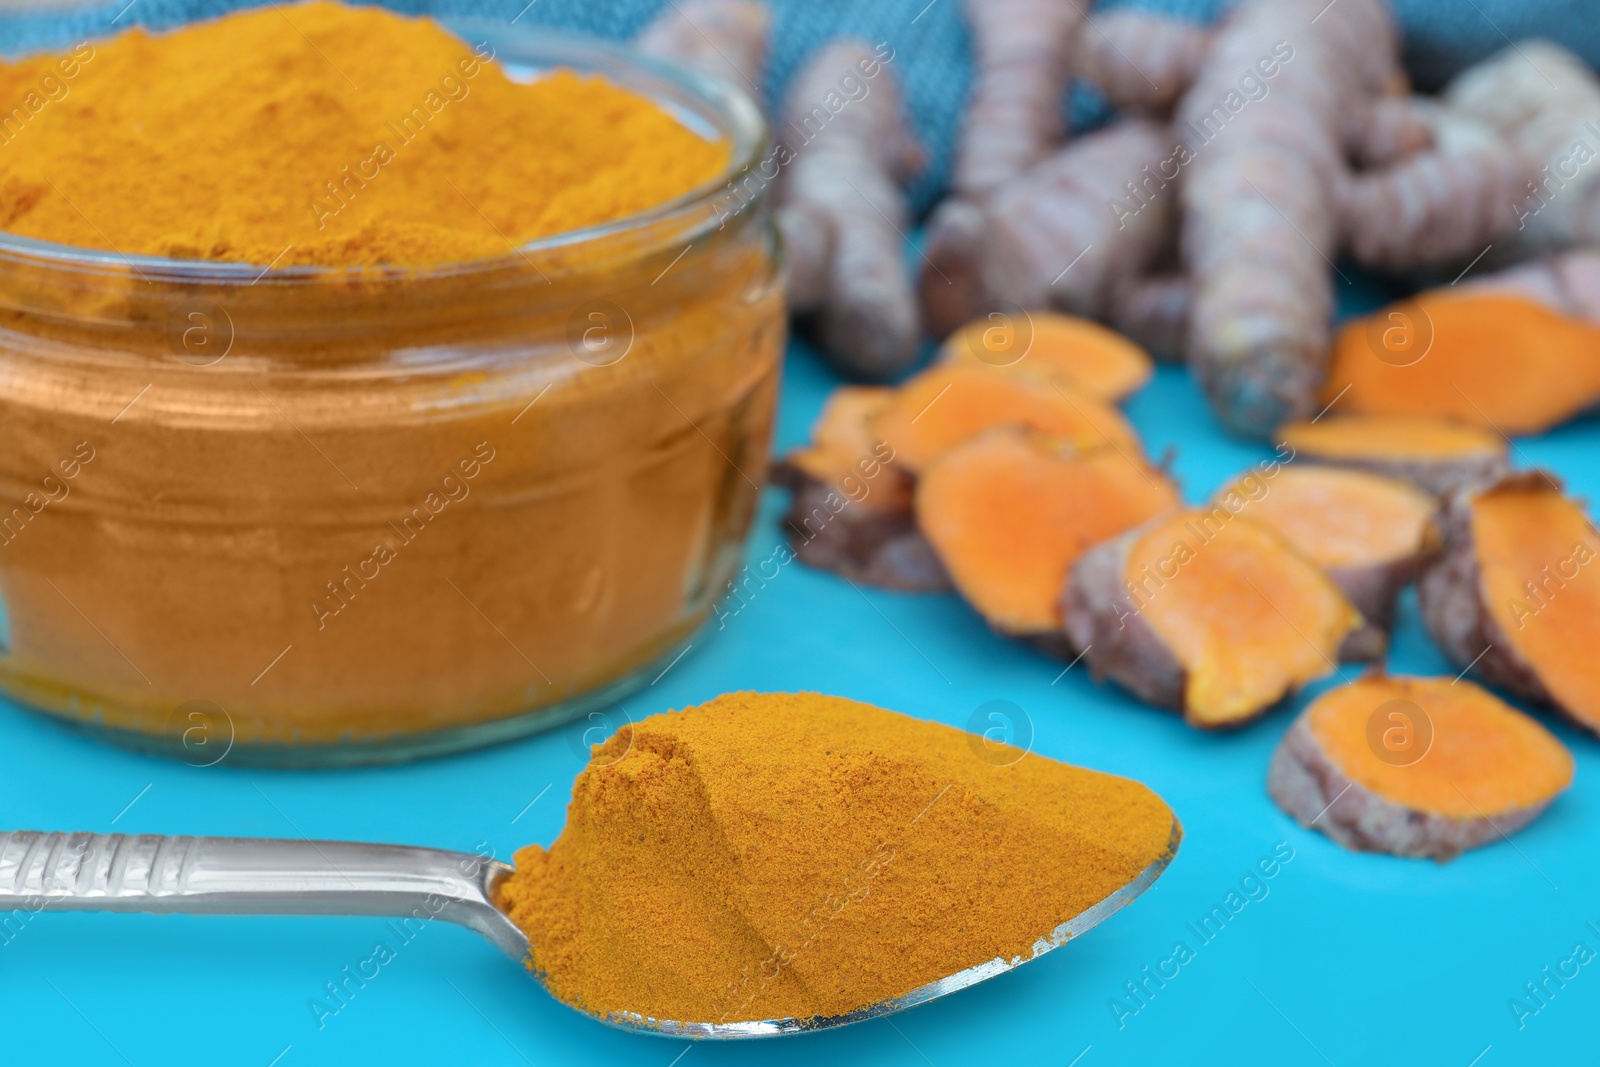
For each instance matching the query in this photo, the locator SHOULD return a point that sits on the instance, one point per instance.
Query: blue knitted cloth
(930, 41)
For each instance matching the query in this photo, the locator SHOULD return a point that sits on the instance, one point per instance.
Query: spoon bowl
(266, 876)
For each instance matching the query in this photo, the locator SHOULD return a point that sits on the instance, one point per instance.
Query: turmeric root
(807, 233)
(1207, 612)
(1568, 282)
(1014, 118)
(1009, 511)
(726, 39)
(1364, 530)
(857, 153)
(1502, 362)
(1446, 202)
(1433, 454)
(1060, 236)
(1394, 128)
(851, 511)
(1142, 62)
(1259, 228)
(1546, 102)
(951, 402)
(1153, 311)
(1416, 767)
(1096, 360)
(1514, 592)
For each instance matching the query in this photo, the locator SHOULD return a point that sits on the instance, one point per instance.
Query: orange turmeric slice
(1366, 531)
(951, 402)
(1363, 437)
(1515, 593)
(1416, 766)
(851, 509)
(1009, 511)
(844, 448)
(1208, 612)
(1339, 518)
(845, 424)
(1097, 360)
(842, 435)
(1504, 362)
(1432, 453)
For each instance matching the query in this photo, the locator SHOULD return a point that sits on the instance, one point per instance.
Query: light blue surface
(1348, 959)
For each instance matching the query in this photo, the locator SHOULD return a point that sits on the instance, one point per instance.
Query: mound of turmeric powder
(323, 134)
(769, 856)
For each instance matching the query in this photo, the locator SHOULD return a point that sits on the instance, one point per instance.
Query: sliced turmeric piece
(951, 402)
(1097, 360)
(1009, 511)
(1416, 767)
(845, 424)
(1207, 612)
(851, 509)
(1514, 592)
(843, 432)
(1434, 454)
(1365, 530)
(1489, 359)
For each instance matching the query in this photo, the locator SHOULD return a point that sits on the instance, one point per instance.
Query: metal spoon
(262, 876)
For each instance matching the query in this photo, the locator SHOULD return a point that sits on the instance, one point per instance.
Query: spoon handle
(252, 876)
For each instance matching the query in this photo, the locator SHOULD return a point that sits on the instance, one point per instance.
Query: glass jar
(315, 516)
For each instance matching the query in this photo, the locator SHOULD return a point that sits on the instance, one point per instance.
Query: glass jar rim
(724, 105)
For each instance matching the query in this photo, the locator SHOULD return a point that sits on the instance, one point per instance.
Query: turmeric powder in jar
(368, 390)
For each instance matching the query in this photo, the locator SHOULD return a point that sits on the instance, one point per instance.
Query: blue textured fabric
(1442, 36)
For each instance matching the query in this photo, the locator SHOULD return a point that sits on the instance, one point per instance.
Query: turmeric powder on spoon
(774, 856)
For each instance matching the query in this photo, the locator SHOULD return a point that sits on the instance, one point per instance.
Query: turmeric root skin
(1445, 203)
(1153, 311)
(1568, 282)
(1048, 238)
(873, 545)
(1259, 229)
(1307, 781)
(1014, 118)
(851, 510)
(1100, 618)
(1541, 97)
(1372, 590)
(1450, 595)
(850, 173)
(808, 241)
(1391, 130)
(1142, 62)
(723, 38)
